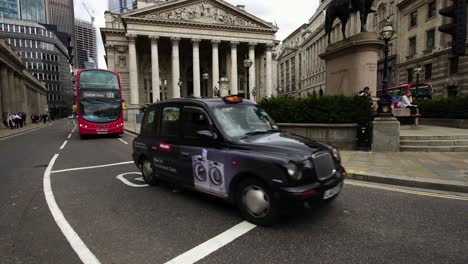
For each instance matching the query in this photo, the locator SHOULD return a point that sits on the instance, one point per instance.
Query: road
(95, 215)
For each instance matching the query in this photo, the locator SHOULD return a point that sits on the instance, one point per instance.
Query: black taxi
(230, 148)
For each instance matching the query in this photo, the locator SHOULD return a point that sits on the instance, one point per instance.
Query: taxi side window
(149, 124)
(194, 120)
(170, 117)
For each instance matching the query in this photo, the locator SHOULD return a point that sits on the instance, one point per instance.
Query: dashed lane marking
(123, 141)
(64, 144)
(393, 189)
(199, 252)
(83, 252)
(69, 136)
(94, 167)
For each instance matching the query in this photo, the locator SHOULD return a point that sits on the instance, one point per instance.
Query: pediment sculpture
(204, 12)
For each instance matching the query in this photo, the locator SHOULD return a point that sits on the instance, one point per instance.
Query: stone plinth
(352, 64)
(386, 135)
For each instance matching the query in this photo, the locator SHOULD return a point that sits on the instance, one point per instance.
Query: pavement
(99, 197)
(437, 170)
(7, 132)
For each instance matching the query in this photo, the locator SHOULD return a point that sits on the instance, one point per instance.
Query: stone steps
(434, 148)
(434, 143)
(451, 143)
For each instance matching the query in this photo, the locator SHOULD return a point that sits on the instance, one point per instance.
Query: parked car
(230, 148)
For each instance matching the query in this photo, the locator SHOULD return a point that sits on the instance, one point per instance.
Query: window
(428, 71)
(148, 127)
(410, 75)
(413, 19)
(170, 117)
(194, 120)
(431, 9)
(430, 39)
(453, 65)
(412, 46)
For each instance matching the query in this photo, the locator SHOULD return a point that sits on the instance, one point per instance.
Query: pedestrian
(364, 92)
(24, 116)
(5, 119)
(10, 121)
(18, 121)
(44, 118)
(407, 101)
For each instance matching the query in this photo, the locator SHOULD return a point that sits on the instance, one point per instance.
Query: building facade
(189, 47)
(416, 44)
(19, 90)
(45, 57)
(61, 13)
(422, 46)
(86, 47)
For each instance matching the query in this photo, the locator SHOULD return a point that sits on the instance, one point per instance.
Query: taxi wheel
(147, 172)
(256, 203)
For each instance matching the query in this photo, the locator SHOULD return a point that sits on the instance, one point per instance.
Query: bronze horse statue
(342, 9)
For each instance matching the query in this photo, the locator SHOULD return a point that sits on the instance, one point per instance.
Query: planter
(342, 136)
(445, 122)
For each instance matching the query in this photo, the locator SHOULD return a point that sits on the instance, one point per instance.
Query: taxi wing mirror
(207, 134)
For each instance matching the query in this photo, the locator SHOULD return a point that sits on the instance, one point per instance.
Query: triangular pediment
(209, 12)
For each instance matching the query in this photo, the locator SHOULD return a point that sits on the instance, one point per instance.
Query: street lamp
(418, 71)
(247, 64)
(205, 77)
(385, 101)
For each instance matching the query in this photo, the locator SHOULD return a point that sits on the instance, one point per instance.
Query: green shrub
(325, 109)
(456, 108)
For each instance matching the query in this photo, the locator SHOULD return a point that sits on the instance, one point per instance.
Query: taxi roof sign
(232, 99)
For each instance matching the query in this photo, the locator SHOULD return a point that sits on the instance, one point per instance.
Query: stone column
(155, 68)
(234, 78)
(24, 96)
(5, 100)
(252, 71)
(110, 57)
(269, 77)
(196, 67)
(13, 92)
(175, 68)
(134, 93)
(215, 64)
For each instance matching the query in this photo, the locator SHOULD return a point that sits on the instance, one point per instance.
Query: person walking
(5, 119)
(24, 116)
(10, 121)
(364, 92)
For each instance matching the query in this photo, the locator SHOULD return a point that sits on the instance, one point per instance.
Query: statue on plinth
(342, 9)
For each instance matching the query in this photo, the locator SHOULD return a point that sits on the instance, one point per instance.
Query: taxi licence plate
(332, 192)
(102, 132)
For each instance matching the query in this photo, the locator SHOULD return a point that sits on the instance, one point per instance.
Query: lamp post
(385, 101)
(247, 64)
(418, 71)
(205, 77)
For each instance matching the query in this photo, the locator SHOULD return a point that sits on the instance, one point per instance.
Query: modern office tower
(45, 56)
(85, 44)
(116, 6)
(33, 10)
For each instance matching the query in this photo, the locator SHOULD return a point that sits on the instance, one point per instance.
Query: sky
(288, 15)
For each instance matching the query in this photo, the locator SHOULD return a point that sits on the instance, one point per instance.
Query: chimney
(241, 7)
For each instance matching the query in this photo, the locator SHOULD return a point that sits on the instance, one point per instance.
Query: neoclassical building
(180, 48)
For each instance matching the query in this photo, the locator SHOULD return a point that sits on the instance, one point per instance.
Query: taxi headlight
(336, 154)
(293, 171)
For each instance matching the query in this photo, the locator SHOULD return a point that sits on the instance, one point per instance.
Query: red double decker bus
(99, 103)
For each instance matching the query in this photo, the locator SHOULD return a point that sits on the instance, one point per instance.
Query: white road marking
(127, 182)
(83, 252)
(123, 141)
(69, 136)
(140, 179)
(199, 252)
(64, 144)
(94, 167)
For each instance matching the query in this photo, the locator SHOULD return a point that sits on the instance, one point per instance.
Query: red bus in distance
(99, 104)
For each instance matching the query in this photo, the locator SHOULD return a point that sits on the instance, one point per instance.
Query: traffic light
(457, 28)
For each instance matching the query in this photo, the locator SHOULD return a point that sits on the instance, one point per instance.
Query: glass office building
(116, 6)
(9, 9)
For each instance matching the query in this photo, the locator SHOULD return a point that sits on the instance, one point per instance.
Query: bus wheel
(148, 172)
